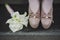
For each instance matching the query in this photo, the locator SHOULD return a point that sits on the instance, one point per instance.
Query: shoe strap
(37, 15)
(44, 15)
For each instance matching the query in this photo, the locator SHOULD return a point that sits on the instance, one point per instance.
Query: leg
(47, 13)
(34, 13)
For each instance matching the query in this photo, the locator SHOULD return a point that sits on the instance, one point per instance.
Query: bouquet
(17, 20)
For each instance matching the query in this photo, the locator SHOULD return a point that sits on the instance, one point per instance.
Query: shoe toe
(46, 23)
(34, 22)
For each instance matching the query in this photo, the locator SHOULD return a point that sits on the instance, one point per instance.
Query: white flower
(17, 21)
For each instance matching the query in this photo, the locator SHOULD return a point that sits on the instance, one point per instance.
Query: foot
(47, 19)
(34, 18)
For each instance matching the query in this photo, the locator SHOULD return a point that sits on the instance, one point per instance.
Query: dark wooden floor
(53, 33)
(30, 37)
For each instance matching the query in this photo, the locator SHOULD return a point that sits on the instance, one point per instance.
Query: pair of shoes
(46, 19)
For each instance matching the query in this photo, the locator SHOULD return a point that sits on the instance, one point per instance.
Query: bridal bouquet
(17, 20)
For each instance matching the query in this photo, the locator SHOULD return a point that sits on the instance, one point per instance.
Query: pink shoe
(34, 19)
(47, 19)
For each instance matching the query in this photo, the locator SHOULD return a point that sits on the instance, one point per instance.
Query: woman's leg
(47, 5)
(47, 13)
(34, 13)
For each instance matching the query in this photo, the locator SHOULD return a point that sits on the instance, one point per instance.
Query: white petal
(14, 27)
(25, 13)
(15, 14)
(9, 21)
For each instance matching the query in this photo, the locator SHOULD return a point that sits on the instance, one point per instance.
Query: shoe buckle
(46, 17)
(34, 16)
